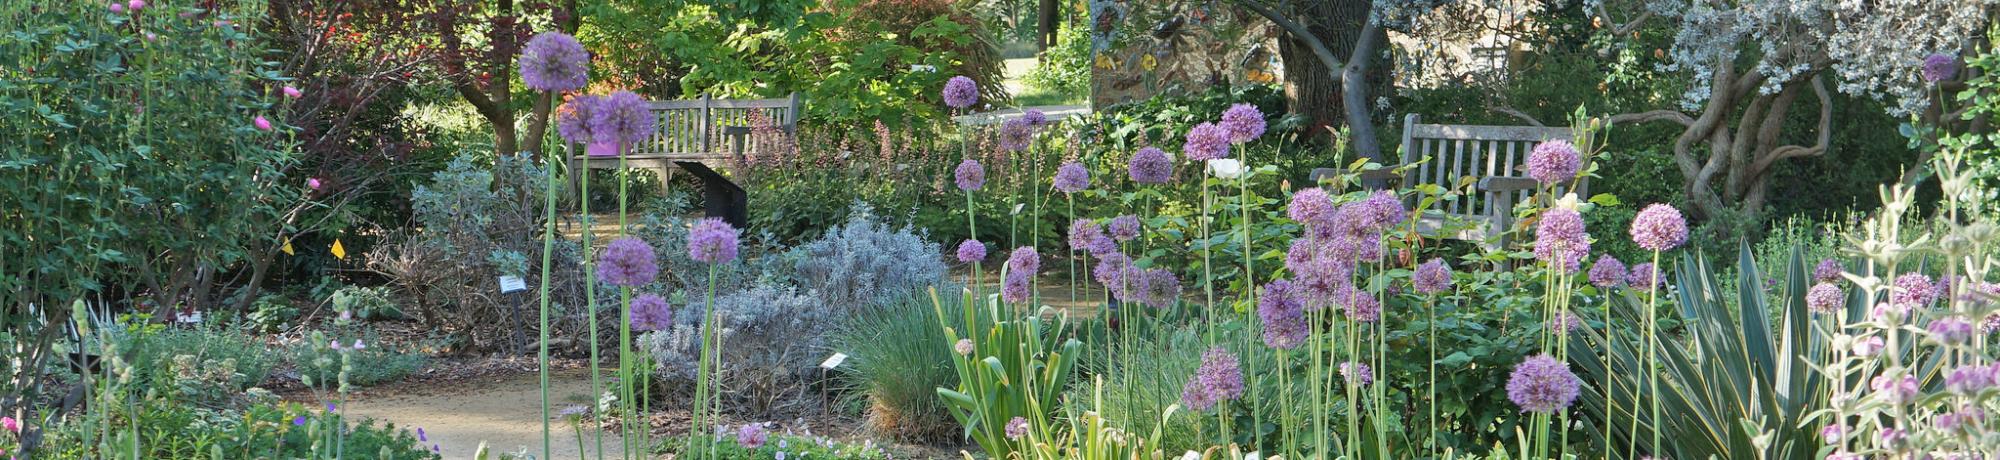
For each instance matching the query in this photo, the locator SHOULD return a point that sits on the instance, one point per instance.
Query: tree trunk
(1314, 90)
(1047, 17)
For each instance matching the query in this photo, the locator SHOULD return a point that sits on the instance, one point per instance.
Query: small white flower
(1571, 202)
(922, 68)
(1225, 168)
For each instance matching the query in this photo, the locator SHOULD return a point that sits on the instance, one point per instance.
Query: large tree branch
(1354, 93)
(1298, 32)
(1674, 116)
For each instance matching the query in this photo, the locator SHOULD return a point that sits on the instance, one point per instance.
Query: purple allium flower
(650, 312)
(1219, 379)
(1566, 322)
(1072, 177)
(1828, 271)
(1123, 228)
(752, 436)
(1541, 384)
(1942, 289)
(1432, 277)
(627, 262)
(1025, 260)
(1824, 297)
(970, 175)
(963, 347)
(1379, 212)
(1940, 67)
(1642, 276)
(1607, 272)
(971, 251)
(1990, 324)
(1111, 269)
(1970, 379)
(1868, 346)
(554, 62)
(1554, 161)
(1244, 122)
(1158, 288)
(1950, 330)
(1358, 305)
(712, 241)
(1659, 228)
(1035, 118)
(960, 92)
(1017, 428)
(1205, 142)
(1897, 390)
(1282, 307)
(574, 120)
(1014, 287)
(1015, 135)
(622, 119)
(1912, 290)
(1311, 206)
(1151, 166)
(1085, 235)
(1560, 240)
(1357, 373)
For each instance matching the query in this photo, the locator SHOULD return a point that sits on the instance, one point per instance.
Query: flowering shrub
(772, 337)
(864, 262)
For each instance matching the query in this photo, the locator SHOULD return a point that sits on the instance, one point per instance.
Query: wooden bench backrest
(693, 128)
(1458, 151)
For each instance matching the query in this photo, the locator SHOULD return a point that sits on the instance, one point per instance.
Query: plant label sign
(511, 283)
(833, 361)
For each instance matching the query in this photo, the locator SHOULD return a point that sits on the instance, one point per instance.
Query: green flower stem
(1653, 349)
(590, 299)
(625, 394)
(548, 247)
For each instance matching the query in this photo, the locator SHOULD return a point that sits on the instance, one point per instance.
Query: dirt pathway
(504, 411)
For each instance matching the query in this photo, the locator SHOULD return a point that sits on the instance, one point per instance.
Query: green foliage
(1751, 389)
(1017, 368)
(899, 381)
(268, 429)
(792, 447)
(367, 303)
(379, 362)
(1064, 69)
(203, 364)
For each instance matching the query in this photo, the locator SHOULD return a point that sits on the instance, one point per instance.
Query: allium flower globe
(1024, 259)
(1014, 287)
(1828, 271)
(1643, 276)
(1940, 67)
(1206, 141)
(1357, 373)
(1310, 206)
(623, 119)
(1282, 309)
(1560, 240)
(1244, 122)
(970, 175)
(963, 347)
(1151, 166)
(1659, 228)
(712, 241)
(1016, 135)
(1123, 228)
(554, 62)
(1824, 297)
(1219, 379)
(627, 262)
(1379, 211)
(1017, 428)
(1607, 272)
(1358, 305)
(752, 436)
(1542, 385)
(1912, 290)
(1085, 235)
(574, 120)
(1035, 118)
(1554, 161)
(971, 251)
(1111, 269)
(1072, 177)
(960, 92)
(1432, 277)
(650, 312)
(1158, 288)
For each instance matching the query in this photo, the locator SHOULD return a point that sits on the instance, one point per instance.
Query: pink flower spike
(263, 124)
(293, 93)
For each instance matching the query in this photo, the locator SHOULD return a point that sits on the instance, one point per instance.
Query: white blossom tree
(1751, 61)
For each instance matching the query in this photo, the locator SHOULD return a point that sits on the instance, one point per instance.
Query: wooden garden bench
(1493, 157)
(699, 135)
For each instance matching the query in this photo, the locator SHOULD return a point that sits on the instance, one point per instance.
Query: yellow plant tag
(338, 251)
(288, 248)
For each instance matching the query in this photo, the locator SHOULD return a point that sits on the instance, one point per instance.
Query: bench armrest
(1506, 184)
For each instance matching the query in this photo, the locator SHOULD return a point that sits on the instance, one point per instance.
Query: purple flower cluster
(1017, 428)
(960, 92)
(963, 347)
(1824, 297)
(1110, 272)
(712, 241)
(971, 251)
(627, 262)
(1432, 277)
(1219, 379)
(1021, 268)
(1244, 122)
(1607, 272)
(1659, 228)
(752, 436)
(1357, 373)
(1643, 276)
(1282, 308)
(1155, 287)
(1016, 135)
(1035, 118)
(1311, 206)
(1912, 290)
(1560, 240)
(1206, 141)
(574, 118)
(622, 119)
(1072, 177)
(1554, 161)
(1966, 419)
(1970, 379)
(970, 175)
(1897, 390)
(1541, 384)
(554, 62)
(1085, 235)
(651, 313)
(1940, 67)
(1123, 228)
(1566, 322)
(1151, 166)
(1828, 271)
(1358, 305)
(1950, 330)
(1380, 211)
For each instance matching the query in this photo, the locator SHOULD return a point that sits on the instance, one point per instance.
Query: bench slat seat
(1493, 157)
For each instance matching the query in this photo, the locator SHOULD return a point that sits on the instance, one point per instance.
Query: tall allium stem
(548, 247)
(1207, 268)
(1653, 349)
(697, 432)
(1072, 262)
(625, 395)
(1430, 302)
(590, 299)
